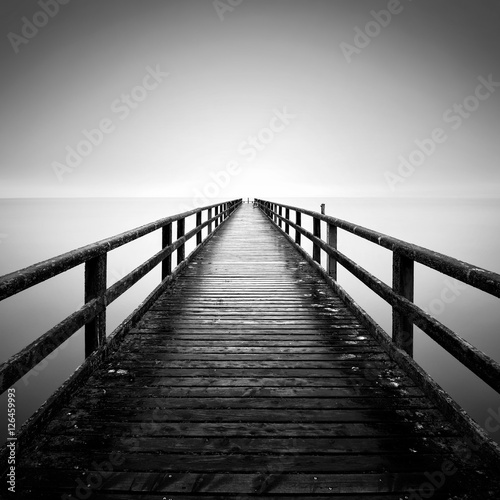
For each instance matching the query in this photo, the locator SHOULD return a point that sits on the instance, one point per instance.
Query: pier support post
(332, 241)
(198, 224)
(181, 224)
(317, 233)
(298, 221)
(402, 284)
(209, 216)
(95, 287)
(166, 237)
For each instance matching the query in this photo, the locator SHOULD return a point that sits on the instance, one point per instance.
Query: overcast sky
(249, 98)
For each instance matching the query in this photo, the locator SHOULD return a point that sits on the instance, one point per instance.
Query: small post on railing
(166, 237)
(215, 215)
(198, 224)
(402, 284)
(317, 233)
(181, 225)
(298, 221)
(287, 217)
(280, 213)
(209, 216)
(95, 287)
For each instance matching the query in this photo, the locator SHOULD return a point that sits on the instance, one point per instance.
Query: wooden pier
(245, 374)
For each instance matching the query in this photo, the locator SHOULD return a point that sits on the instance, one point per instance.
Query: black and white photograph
(250, 249)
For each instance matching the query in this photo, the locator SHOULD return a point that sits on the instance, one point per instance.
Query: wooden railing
(405, 313)
(92, 315)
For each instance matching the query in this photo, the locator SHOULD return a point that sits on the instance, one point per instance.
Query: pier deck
(249, 377)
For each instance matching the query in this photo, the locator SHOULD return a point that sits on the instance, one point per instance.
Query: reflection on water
(34, 230)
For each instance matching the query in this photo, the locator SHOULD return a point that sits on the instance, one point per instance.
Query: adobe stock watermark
(223, 6)
(449, 293)
(373, 28)
(31, 27)
(454, 117)
(249, 149)
(438, 478)
(122, 107)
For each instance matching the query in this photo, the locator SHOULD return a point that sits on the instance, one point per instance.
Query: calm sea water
(32, 230)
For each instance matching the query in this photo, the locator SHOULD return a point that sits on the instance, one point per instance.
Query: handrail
(400, 295)
(20, 280)
(92, 314)
(475, 276)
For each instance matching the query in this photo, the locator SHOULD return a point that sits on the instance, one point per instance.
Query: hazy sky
(249, 97)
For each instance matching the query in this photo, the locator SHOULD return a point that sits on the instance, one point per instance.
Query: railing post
(198, 224)
(402, 284)
(166, 265)
(209, 216)
(95, 287)
(332, 241)
(287, 217)
(280, 213)
(181, 225)
(316, 232)
(216, 213)
(298, 221)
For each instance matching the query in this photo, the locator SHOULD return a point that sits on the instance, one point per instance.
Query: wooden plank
(346, 376)
(249, 429)
(267, 445)
(261, 484)
(232, 415)
(234, 463)
(157, 397)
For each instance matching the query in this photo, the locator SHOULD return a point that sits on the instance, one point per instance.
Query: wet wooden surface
(250, 378)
